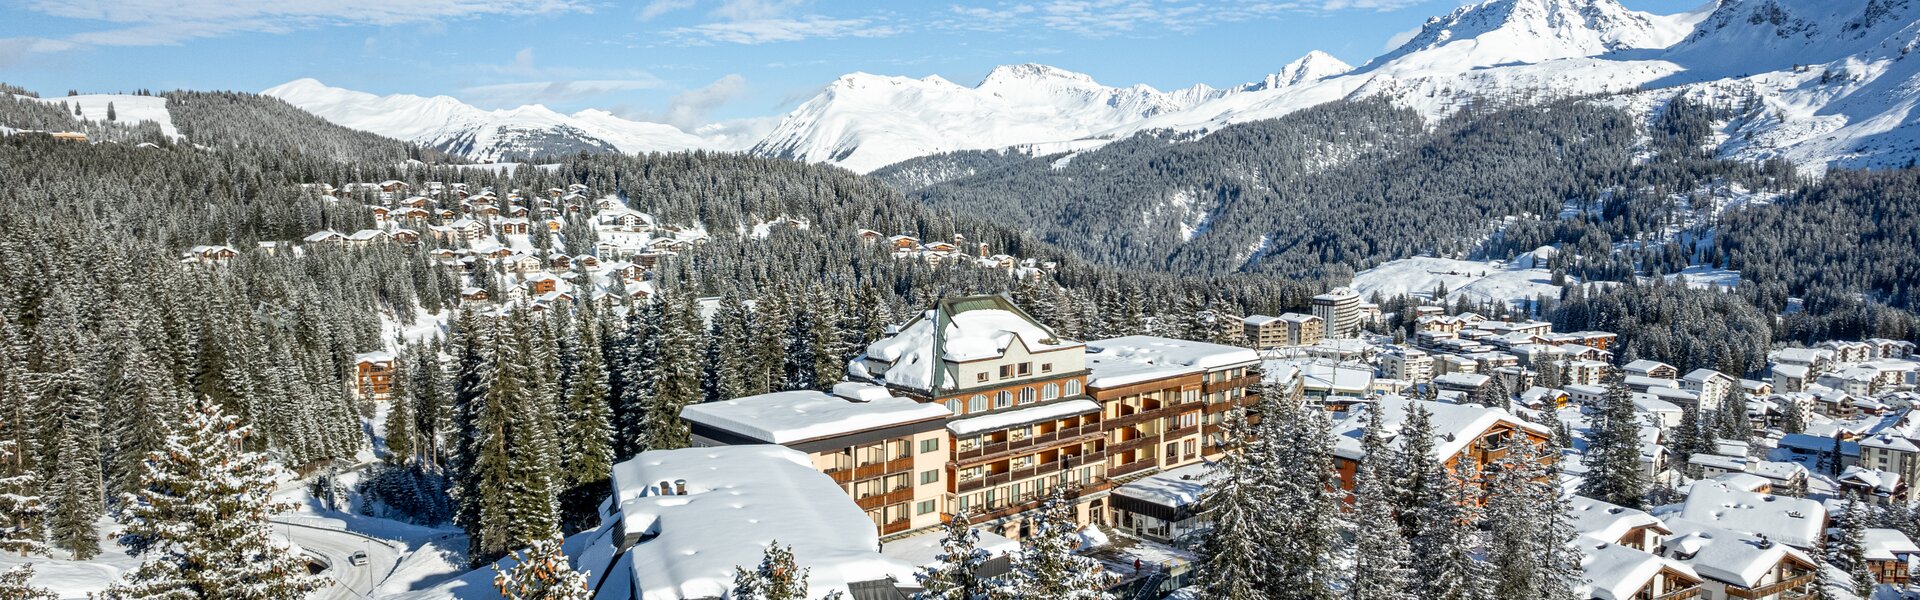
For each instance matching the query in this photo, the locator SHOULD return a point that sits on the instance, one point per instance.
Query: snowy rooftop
(1136, 358)
(738, 500)
(1177, 488)
(1793, 521)
(1724, 554)
(1606, 521)
(971, 328)
(797, 416)
(1454, 425)
(1322, 374)
(1889, 544)
(1616, 572)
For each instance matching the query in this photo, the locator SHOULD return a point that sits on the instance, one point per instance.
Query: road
(334, 547)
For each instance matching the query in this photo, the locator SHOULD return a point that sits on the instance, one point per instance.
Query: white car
(358, 559)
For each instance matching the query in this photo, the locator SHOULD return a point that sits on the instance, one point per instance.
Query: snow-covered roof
(1454, 425)
(1177, 488)
(1614, 572)
(1874, 479)
(797, 416)
(1136, 358)
(1322, 374)
(1724, 554)
(373, 357)
(1607, 521)
(1724, 463)
(323, 235)
(1034, 414)
(1259, 320)
(1645, 366)
(1889, 544)
(1793, 521)
(738, 500)
(970, 328)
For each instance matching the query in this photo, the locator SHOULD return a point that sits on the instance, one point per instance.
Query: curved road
(334, 547)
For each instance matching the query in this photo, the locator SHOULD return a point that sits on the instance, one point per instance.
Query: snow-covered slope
(1505, 32)
(448, 124)
(1316, 65)
(127, 108)
(864, 121)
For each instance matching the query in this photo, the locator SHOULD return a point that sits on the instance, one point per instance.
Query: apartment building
(889, 453)
(1340, 310)
(1288, 330)
(1164, 401)
(1407, 364)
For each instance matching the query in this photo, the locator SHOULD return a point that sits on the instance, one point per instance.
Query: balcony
(1064, 434)
(1249, 380)
(1767, 591)
(1132, 467)
(1023, 473)
(895, 527)
(887, 499)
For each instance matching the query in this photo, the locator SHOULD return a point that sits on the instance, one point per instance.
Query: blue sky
(681, 61)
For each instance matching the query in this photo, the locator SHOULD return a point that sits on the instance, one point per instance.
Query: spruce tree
(21, 508)
(541, 572)
(1233, 554)
(1296, 445)
(400, 419)
(1046, 567)
(13, 585)
(200, 520)
(1848, 547)
(586, 452)
(71, 434)
(1529, 550)
(956, 575)
(1381, 557)
(777, 577)
(1613, 450)
(1445, 538)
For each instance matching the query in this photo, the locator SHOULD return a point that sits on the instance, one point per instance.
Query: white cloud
(1397, 39)
(500, 95)
(762, 31)
(755, 10)
(16, 50)
(167, 22)
(660, 7)
(689, 110)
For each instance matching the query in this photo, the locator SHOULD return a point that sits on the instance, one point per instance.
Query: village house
(1164, 507)
(1462, 432)
(1734, 564)
(325, 236)
(219, 254)
(373, 375)
(1285, 331)
(1407, 364)
(886, 452)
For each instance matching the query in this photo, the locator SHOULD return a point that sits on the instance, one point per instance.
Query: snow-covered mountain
(1316, 65)
(1507, 32)
(453, 126)
(864, 121)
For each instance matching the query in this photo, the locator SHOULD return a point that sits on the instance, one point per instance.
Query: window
(1190, 396)
(1046, 367)
(1187, 447)
(965, 501)
(1026, 368)
(953, 406)
(1006, 371)
(1073, 387)
(927, 477)
(924, 507)
(977, 403)
(1002, 399)
(1026, 395)
(929, 445)
(980, 377)
(1173, 451)
(1050, 391)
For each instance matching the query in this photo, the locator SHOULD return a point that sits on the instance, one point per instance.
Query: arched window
(978, 403)
(953, 406)
(1002, 399)
(1026, 395)
(1050, 391)
(1073, 387)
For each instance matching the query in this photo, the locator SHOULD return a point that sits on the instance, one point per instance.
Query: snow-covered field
(1475, 280)
(127, 108)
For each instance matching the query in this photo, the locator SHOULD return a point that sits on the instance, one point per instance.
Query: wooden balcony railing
(1766, 591)
(887, 499)
(1064, 434)
(1012, 475)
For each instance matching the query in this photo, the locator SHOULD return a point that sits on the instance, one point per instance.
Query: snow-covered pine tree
(13, 585)
(1445, 538)
(678, 376)
(957, 574)
(1730, 421)
(639, 376)
(1690, 438)
(1381, 558)
(400, 419)
(1613, 449)
(21, 509)
(586, 451)
(1233, 553)
(1791, 419)
(777, 577)
(1046, 566)
(200, 520)
(802, 351)
(540, 572)
(1847, 548)
(531, 498)
(1529, 548)
(70, 436)
(1296, 449)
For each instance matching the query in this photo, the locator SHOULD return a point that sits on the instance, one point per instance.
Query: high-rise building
(1340, 310)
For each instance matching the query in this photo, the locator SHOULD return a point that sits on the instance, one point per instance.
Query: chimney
(679, 487)
(665, 490)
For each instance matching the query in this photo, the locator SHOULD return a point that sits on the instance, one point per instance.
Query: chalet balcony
(1132, 467)
(887, 499)
(1767, 591)
(1692, 592)
(1243, 381)
(895, 527)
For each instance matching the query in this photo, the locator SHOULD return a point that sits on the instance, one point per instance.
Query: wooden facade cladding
(1250, 380)
(1064, 436)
